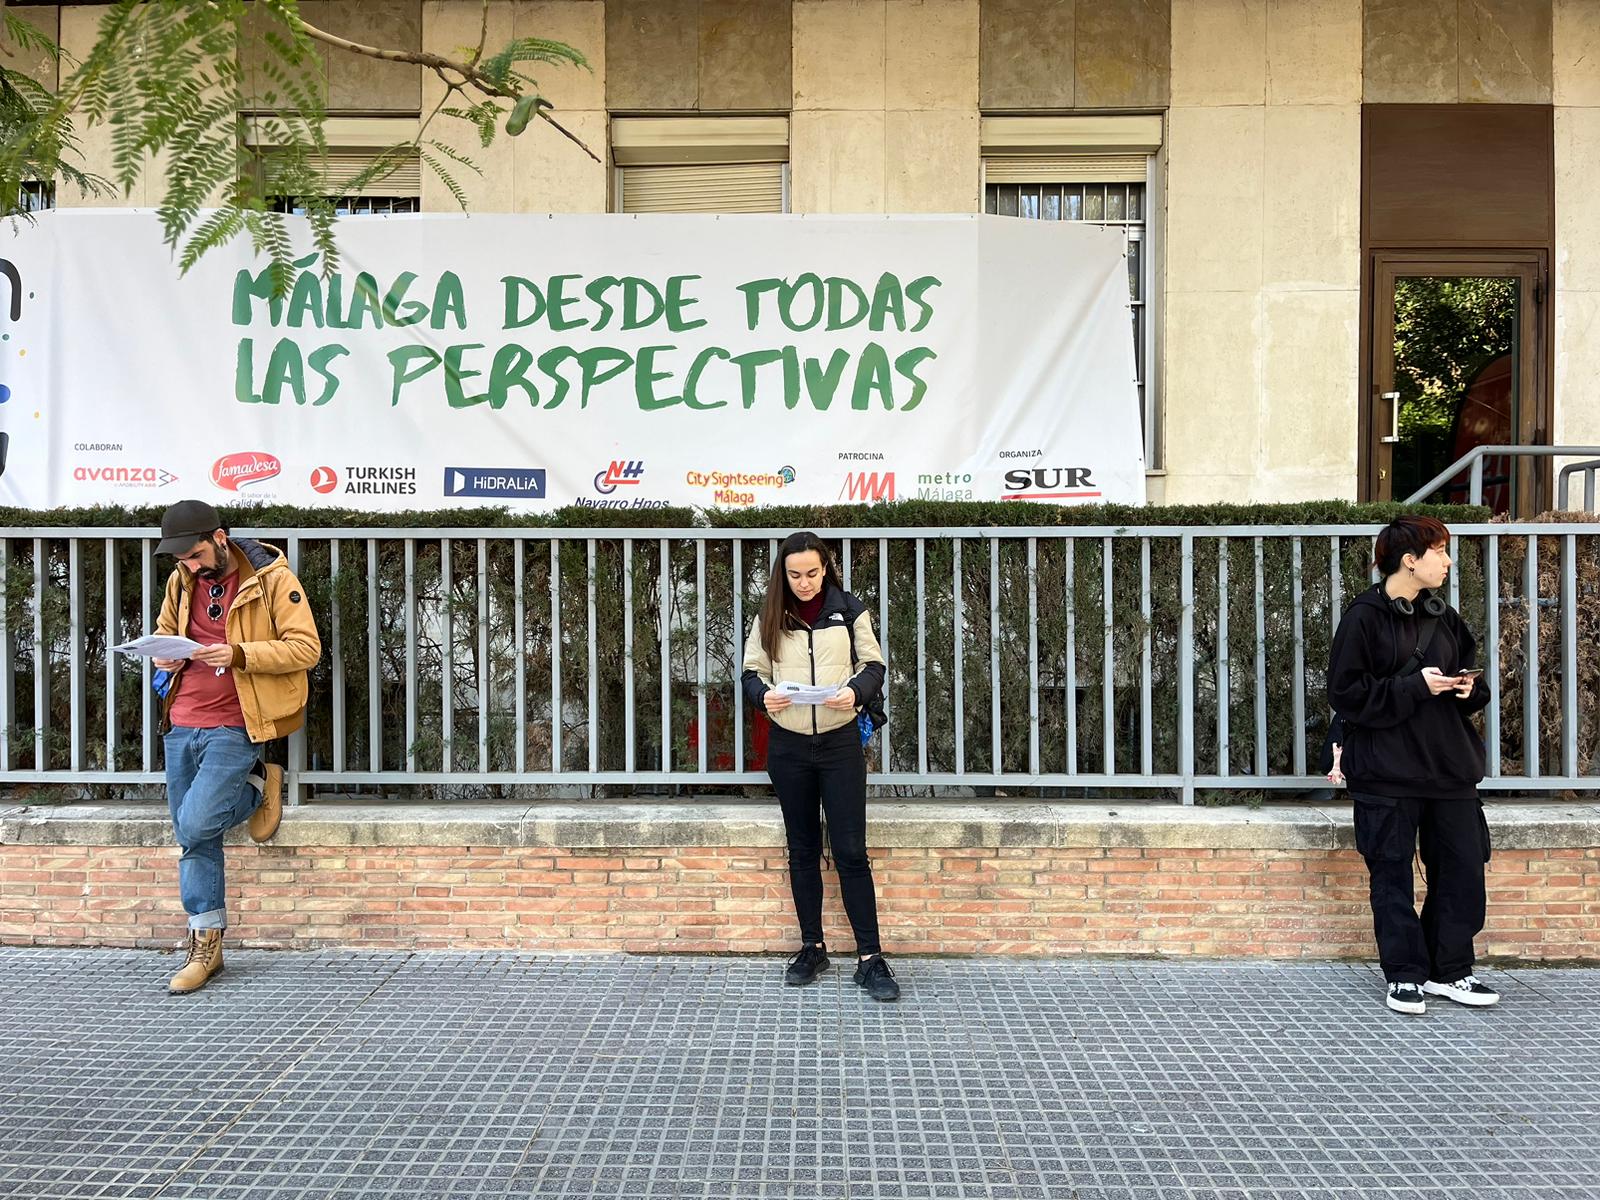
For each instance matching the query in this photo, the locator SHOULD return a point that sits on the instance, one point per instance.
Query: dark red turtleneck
(809, 610)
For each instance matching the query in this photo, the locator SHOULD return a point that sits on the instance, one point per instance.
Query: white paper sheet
(156, 646)
(807, 693)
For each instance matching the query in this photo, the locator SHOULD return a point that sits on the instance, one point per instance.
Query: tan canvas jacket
(272, 632)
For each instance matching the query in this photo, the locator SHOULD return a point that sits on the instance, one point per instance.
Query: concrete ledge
(924, 825)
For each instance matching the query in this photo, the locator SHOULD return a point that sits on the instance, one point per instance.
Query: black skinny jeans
(826, 773)
(1454, 840)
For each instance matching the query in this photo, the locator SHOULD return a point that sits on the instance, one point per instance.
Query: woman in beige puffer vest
(813, 633)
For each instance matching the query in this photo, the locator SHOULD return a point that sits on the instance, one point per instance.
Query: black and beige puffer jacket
(818, 654)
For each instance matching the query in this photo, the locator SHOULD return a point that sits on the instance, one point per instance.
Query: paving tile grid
(339, 1075)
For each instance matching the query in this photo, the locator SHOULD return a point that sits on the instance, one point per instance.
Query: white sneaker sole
(1413, 1008)
(1470, 999)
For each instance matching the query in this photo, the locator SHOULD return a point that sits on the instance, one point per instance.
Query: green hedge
(903, 514)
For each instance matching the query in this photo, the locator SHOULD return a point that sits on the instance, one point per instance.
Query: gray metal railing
(1473, 460)
(1590, 468)
(1172, 661)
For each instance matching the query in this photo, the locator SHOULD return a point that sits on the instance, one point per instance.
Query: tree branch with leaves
(169, 79)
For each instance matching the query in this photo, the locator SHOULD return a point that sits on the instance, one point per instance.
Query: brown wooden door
(1457, 361)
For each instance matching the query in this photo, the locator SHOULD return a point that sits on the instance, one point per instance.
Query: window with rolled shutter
(700, 164)
(1095, 169)
(354, 143)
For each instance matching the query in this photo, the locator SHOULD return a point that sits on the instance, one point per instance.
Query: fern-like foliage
(224, 102)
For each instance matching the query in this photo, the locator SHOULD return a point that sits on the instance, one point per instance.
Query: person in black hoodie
(814, 633)
(1401, 676)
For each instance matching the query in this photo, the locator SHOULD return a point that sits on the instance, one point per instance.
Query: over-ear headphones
(1430, 602)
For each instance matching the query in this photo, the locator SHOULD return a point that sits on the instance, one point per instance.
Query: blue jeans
(209, 792)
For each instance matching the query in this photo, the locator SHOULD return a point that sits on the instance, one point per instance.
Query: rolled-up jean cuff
(216, 918)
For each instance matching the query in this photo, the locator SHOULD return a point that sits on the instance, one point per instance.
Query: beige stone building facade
(1249, 147)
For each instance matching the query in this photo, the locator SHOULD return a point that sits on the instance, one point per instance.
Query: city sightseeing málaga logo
(740, 488)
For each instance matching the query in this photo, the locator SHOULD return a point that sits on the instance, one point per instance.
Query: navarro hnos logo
(1050, 483)
(619, 474)
(232, 472)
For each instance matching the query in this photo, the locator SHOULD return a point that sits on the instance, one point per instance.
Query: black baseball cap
(184, 524)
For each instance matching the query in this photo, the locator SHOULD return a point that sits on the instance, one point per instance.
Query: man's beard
(213, 573)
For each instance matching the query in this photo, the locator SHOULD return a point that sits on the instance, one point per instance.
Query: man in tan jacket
(243, 687)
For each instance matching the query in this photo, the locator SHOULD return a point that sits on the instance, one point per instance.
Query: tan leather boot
(204, 961)
(264, 821)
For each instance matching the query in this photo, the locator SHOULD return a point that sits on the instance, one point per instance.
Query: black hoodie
(1400, 740)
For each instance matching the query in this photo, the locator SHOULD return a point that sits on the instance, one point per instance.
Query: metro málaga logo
(619, 474)
(868, 487)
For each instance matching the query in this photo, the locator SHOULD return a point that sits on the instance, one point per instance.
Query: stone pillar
(885, 106)
(79, 26)
(1263, 250)
(1577, 264)
(540, 171)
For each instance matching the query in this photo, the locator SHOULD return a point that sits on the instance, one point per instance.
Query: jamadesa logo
(234, 471)
(619, 474)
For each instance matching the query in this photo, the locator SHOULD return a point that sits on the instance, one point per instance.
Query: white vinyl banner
(538, 361)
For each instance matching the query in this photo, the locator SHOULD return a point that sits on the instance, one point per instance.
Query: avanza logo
(867, 487)
(129, 476)
(234, 471)
(619, 474)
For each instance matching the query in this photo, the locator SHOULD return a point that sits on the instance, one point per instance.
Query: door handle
(1394, 417)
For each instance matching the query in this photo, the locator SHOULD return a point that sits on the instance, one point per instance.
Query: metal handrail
(1589, 469)
(1474, 459)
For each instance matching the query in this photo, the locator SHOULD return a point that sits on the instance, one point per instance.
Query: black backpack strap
(1425, 632)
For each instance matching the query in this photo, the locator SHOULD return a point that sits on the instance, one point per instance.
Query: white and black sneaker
(1469, 990)
(1407, 998)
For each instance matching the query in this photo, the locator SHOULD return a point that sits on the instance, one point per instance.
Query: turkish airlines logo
(232, 472)
(868, 487)
(618, 474)
(324, 480)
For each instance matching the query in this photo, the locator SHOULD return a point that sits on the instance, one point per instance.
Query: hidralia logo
(619, 474)
(324, 480)
(868, 487)
(234, 471)
(503, 483)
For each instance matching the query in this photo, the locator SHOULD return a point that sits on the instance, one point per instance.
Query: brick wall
(1299, 903)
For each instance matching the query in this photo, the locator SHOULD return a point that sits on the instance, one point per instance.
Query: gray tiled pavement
(339, 1075)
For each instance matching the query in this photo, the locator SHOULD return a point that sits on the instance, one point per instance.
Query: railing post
(1186, 671)
(297, 739)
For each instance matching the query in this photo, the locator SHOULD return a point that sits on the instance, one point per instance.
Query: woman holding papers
(812, 663)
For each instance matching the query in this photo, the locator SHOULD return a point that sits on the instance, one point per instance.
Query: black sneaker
(1407, 998)
(874, 975)
(806, 966)
(1469, 989)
